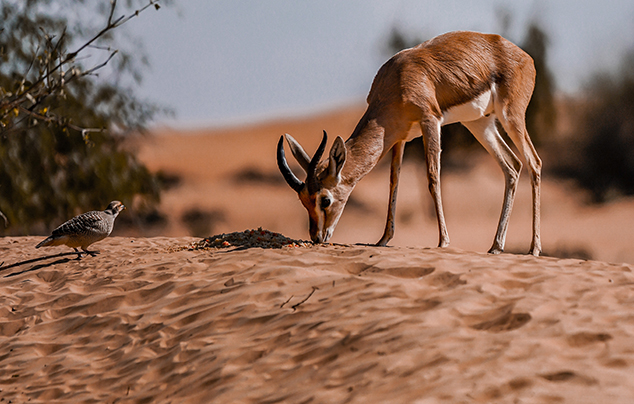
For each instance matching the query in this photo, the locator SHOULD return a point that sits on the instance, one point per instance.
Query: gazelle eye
(325, 202)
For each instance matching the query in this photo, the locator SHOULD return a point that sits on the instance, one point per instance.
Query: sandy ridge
(142, 323)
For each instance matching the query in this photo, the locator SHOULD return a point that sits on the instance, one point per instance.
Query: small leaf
(156, 6)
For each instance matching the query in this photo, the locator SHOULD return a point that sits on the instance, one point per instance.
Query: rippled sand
(142, 323)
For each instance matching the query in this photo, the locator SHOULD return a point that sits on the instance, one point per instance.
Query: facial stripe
(321, 218)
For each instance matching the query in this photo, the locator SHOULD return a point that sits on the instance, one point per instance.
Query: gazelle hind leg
(486, 133)
(516, 129)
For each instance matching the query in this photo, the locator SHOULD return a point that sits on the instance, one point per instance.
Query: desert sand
(144, 323)
(150, 321)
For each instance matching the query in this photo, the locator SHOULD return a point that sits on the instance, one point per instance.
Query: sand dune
(144, 322)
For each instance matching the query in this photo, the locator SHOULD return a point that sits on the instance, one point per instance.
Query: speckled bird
(85, 229)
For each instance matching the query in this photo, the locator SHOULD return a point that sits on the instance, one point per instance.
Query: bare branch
(113, 5)
(54, 78)
(6, 221)
(92, 70)
(61, 122)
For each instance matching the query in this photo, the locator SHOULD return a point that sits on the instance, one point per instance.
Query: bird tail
(45, 243)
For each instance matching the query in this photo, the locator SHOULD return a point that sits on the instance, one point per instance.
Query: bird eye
(325, 202)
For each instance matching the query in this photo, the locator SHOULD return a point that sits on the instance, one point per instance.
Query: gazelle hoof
(535, 252)
(382, 243)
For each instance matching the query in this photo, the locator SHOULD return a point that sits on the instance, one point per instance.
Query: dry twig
(295, 306)
(288, 300)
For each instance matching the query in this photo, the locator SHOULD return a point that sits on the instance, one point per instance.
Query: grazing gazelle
(465, 77)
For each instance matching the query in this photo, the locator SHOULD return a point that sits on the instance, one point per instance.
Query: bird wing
(86, 222)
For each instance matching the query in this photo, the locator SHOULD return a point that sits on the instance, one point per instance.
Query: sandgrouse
(85, 229)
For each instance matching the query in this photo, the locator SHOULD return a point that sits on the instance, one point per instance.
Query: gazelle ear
(337, 158)
(298, 152)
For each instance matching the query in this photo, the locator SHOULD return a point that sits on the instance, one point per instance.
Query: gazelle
(465, 77)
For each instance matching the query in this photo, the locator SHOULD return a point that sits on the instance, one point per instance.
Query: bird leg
(84, 251)
(78, 253)
(91, 253)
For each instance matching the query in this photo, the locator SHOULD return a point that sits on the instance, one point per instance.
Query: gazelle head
(323, 194)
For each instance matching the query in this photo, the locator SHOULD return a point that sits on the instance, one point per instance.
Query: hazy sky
(230, 61)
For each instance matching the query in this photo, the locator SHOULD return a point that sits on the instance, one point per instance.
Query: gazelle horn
(311, 178)
(290, 178)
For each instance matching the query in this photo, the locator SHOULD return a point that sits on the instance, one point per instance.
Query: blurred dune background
(241, 188)
(176, 108)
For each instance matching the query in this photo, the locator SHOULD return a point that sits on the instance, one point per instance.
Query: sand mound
(142, 322)
(249, 239)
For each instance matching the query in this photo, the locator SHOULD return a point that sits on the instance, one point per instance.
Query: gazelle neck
(365, 147)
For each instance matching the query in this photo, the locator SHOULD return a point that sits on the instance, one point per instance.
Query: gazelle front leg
(395, 171)
(431, 140)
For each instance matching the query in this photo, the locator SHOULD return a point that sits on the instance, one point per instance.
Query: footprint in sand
(500, 320)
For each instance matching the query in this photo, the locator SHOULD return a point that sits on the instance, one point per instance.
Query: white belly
(475, 109)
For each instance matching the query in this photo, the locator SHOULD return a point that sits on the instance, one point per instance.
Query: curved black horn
(320, 152)
(311, 179)
(317, 157)
(290, 178)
